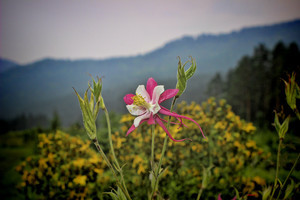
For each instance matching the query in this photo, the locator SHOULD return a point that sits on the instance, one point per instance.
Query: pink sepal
(167, 95)
(132, 128)
(167, 112)
(151, 84)
(158, 120)
(151, 119)
(128, 99)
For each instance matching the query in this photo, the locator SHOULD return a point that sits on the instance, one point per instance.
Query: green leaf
(206, 176)
(92, 102)
(284, 127)
(236, 193)
(88, 120)
(289, 189)
(121, 195)
(277, 123)
(266, 193)
(280, 183)
(97, 88)
(183, 76)
(190, 72)
(101, 102)
(113, 195)
(181, 79)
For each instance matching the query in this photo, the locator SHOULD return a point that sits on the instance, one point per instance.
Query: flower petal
(142, 91)
(167, 95)
(219, 197)
(167, 112)
(155, 108)
(157, 119)
(158, 90)
(151, 84)
(151, 119)
(137, 120)
(128, 99)
(132, 128)
(136, 110)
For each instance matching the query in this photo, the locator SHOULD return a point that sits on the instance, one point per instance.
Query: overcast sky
(72, 29)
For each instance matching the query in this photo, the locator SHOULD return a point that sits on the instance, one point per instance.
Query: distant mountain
(46, 85)
(6, 65)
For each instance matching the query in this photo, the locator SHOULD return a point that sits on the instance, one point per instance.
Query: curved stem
(199, 194)
(277, 168)
(152, 147)
(96, 143)
(163, 150)
(291, 171)
(113, 153)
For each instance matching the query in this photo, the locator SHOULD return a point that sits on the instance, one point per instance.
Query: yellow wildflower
(81, 180)
(79, 162)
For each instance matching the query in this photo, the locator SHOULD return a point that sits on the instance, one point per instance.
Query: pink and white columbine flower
(146, 106)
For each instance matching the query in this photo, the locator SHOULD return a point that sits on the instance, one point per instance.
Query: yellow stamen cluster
(139, 100)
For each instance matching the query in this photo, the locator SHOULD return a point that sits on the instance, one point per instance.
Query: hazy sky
(71, 29)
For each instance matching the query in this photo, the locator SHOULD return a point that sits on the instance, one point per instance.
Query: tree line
(255, 86)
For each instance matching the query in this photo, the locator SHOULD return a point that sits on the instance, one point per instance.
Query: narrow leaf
(266, 193)
(92, 102)
(181, 79)
(284, 127)
(190, 72)
(289, 189)
(113, 195)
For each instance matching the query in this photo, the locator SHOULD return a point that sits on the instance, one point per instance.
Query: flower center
(139, 100)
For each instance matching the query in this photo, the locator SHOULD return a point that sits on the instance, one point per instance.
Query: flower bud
(183, 76)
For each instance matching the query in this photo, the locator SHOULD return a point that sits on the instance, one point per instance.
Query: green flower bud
(292, 91)
(281, 128)
(90, 108)
(183, 76)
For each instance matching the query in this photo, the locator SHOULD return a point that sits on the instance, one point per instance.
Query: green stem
(163, 151)
(291, 171)
(113, 153)
(152, 147)
(199, 194)
(277, 168)
(96, 143)
(297, 113)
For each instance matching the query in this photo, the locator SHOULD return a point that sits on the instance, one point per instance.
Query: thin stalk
(287, 178)
(163, 150)
(109, 137)
(96, 143)
(297, 113)
(199, 194)
(277, 167)
(113, 152)
(152, 147)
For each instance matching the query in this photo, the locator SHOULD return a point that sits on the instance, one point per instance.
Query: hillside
(46, 85)
(6, 65)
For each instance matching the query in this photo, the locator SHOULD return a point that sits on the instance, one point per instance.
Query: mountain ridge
(37, 87)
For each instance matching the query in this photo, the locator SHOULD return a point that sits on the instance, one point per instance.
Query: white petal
(135, 110)
(143, 92)
(155, 108)
(158, 90)
(140, 118)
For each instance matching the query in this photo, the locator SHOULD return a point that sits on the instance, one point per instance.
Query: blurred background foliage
(254, 88)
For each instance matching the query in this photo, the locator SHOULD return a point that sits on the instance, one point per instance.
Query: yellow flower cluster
(64, 167)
